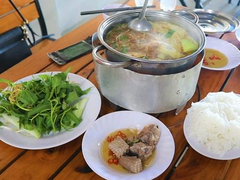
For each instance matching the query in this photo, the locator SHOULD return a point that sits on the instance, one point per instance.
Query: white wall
(69, 12)
(62, 16)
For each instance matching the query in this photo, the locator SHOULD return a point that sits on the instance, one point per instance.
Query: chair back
(30, 9)
(13, 47)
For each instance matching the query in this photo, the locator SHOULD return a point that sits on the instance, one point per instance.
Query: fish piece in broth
(133, 150)
(150, 135)
(131, 163)
(142, 150)
(118, 146)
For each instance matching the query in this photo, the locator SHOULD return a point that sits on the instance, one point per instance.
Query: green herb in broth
(169, 33)
(124, 49)
(123, 37)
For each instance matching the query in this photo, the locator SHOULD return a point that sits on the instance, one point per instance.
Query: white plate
(231, 51)
(237, 33)
(89, 116)
(109, 123)
(201, 149)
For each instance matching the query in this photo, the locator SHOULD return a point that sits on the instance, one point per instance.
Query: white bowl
(228, 49)
(111, 122)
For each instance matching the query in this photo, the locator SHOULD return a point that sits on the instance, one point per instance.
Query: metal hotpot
(148, 93)
(145, 85)
(146, 66)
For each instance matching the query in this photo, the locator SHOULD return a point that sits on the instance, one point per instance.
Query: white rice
(215, 122)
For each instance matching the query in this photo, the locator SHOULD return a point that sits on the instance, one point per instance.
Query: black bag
(13, 48)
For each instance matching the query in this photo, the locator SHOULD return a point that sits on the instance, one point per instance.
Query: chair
(183, 3)
(31, 10)
(229, 1)
(197, 2)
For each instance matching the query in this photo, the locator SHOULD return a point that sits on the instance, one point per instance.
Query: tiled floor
(217, 5)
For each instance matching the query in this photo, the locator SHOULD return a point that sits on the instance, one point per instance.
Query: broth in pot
(166, 41)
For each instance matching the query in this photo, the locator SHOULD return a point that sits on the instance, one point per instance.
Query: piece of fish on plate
(142, 150)
(118, 146)
(132, 152)
(131, 163)
(150, 135)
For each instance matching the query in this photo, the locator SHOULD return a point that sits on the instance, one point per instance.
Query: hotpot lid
(212, 22)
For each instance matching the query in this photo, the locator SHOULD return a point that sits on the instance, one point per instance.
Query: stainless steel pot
(153, 67)
(148, 93)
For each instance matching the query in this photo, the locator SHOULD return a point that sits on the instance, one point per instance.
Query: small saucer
(228, 49)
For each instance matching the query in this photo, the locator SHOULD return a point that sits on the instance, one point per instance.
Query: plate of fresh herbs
(46, 110)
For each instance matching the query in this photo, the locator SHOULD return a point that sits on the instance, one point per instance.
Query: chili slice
(115, 161)
(110, 160)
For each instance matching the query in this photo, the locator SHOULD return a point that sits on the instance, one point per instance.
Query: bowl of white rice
(212, 126)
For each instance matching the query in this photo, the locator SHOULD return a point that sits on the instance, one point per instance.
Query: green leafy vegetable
(42, 105)
(15, 121)
(80, 106)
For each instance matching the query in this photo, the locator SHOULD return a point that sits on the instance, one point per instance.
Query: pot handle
(99, 59)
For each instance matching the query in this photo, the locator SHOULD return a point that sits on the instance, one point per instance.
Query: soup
(215, 59)
(165, 41)
(111, 159)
